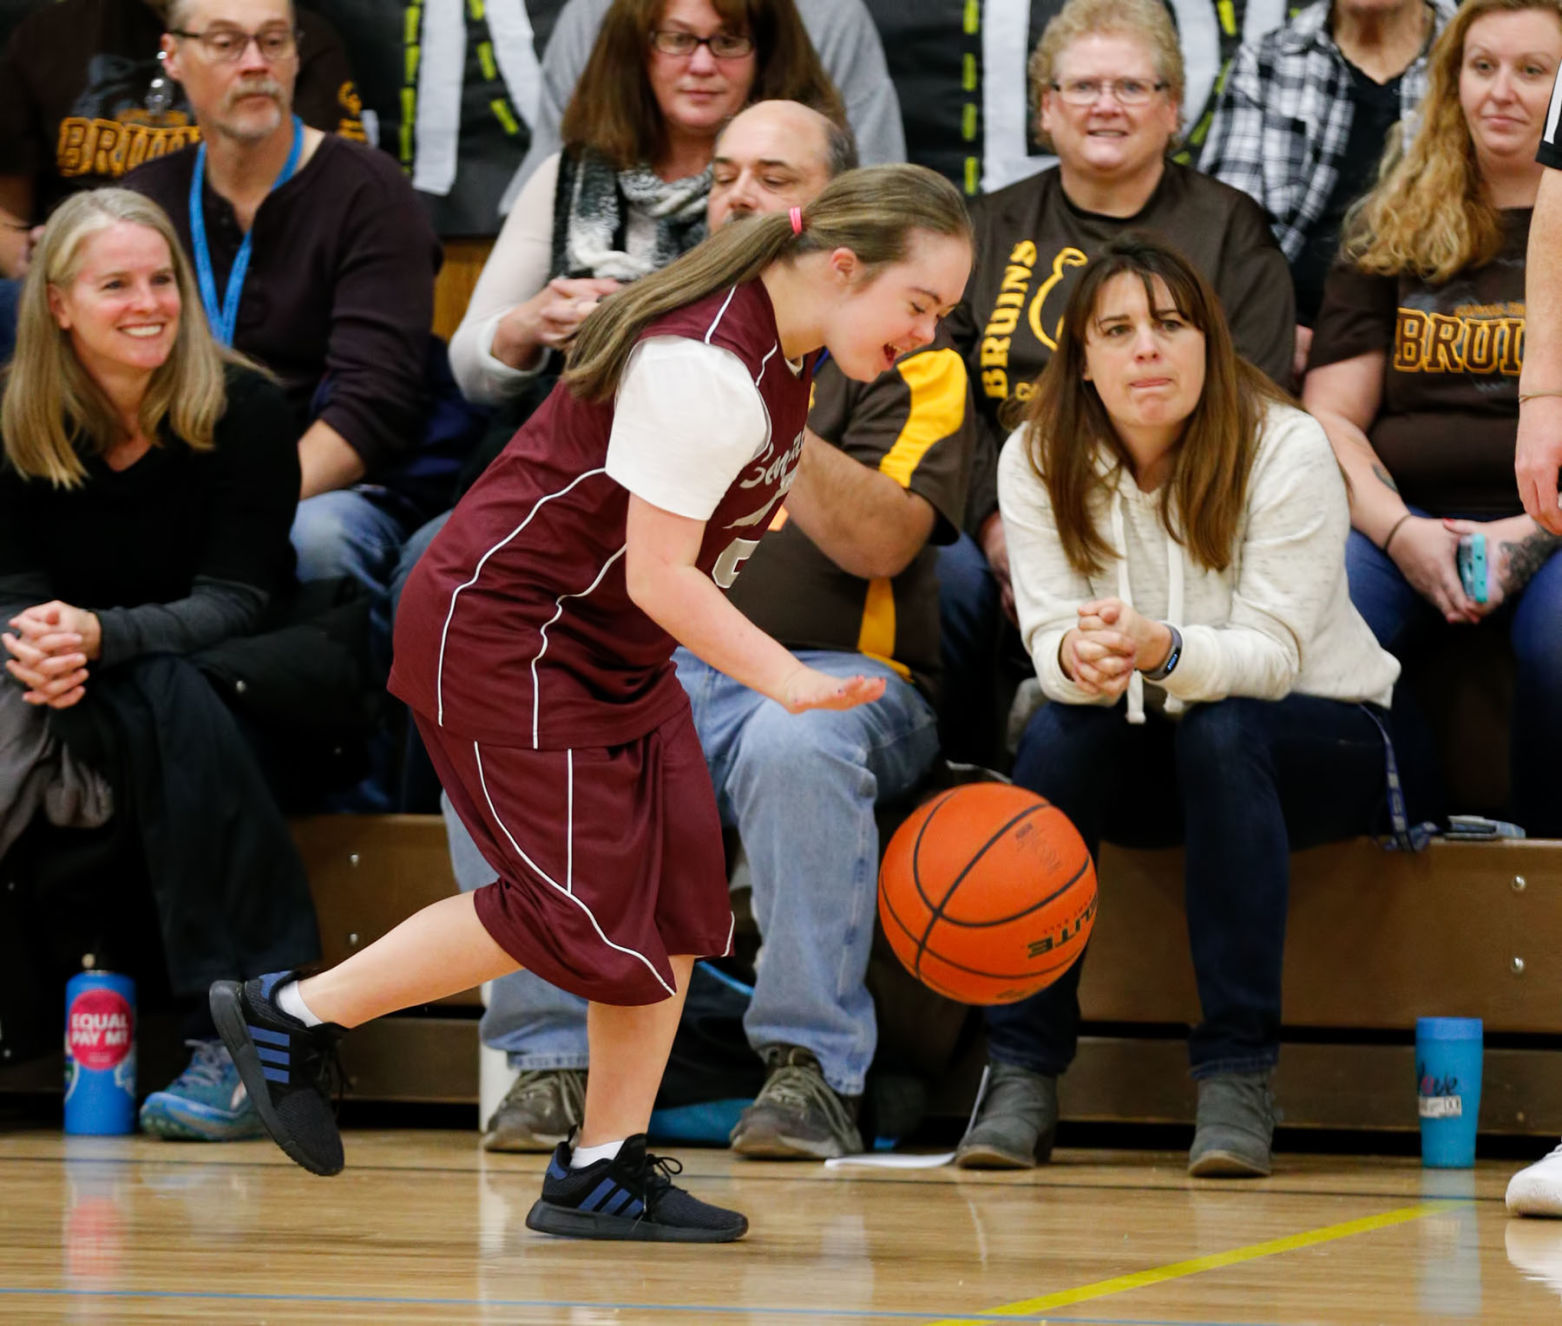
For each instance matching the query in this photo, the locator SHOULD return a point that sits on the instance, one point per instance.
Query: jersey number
(731, 561)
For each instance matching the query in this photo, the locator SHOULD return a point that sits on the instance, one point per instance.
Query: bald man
(772, 156)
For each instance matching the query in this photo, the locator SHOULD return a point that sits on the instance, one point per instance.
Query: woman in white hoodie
(1177, 539)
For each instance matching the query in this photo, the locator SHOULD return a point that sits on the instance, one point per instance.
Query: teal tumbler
(1448, 1089)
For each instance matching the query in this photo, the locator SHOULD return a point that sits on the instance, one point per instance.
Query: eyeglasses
(227, 45)
(723, 46)
(1125, 91)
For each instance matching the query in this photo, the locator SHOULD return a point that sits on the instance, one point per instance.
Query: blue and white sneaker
(285, 1065)
(205, 1103)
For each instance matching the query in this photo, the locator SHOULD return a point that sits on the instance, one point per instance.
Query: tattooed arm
(1516, 548)
(1344, 397)
(1519, 558)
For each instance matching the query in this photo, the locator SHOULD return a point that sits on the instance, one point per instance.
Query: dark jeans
(1241, 783)
(984, 659)
(1403, 621)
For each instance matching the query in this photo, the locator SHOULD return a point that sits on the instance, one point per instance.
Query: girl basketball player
(533, 645)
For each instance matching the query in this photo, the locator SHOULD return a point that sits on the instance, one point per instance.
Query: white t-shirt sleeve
(686, 420)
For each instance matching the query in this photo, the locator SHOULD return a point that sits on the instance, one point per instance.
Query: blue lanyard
(223, 318)
(1406, 837)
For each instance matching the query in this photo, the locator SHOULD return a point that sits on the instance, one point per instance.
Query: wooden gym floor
(423, 1226)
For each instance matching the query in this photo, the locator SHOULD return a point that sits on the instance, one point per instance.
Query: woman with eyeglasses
(627, 193)
(1107, 84)
(84, 98)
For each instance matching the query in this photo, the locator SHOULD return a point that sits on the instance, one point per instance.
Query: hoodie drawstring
(1174, 597)
(1120, 542)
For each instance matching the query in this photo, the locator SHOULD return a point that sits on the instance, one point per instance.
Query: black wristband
(1172, 657)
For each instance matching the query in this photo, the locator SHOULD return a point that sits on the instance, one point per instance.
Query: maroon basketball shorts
(608, 859)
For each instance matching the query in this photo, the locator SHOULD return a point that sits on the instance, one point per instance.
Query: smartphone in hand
(1471, 560)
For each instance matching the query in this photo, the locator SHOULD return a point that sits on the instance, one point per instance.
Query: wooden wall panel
(1375, 939)
(369, 873)
(464, 259)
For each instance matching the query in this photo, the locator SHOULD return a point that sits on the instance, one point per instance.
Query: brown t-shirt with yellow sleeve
(914, 423)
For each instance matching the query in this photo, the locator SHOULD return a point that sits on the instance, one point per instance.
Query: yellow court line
(1177, 1270)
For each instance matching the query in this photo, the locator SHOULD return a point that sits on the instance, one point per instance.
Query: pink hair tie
(796, 213)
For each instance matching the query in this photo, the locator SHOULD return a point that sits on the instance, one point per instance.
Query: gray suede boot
(1016, 1124)
(1236, 1125)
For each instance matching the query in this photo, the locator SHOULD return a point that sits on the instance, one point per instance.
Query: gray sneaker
(1236, 1124)
(538, 1110)
(797, 1115)
(1017, 1122)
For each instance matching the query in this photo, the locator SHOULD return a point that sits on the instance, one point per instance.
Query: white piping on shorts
(543, 875)
(439, 671)
(558, 611)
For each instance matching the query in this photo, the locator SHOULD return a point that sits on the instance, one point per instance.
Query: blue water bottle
(100, 1054)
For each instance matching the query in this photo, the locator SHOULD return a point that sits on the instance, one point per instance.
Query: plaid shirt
(1284, 119)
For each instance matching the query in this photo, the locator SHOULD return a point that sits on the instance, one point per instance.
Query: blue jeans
(1402, 621)
(356, 532)
(419, 783)
(800, 789)
(1242, 783)
(414, 548)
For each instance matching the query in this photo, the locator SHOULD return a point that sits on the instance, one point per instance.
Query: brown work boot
(797, 1115)
(538, 1110)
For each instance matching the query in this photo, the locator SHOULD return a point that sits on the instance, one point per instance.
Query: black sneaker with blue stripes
(631, 1196)
(284, 1065)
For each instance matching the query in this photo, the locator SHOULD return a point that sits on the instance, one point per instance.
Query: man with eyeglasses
(85, 97)
(316, 259)
(842, 32)
(1302, 121)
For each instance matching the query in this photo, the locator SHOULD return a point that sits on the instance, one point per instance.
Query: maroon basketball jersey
(516, 627)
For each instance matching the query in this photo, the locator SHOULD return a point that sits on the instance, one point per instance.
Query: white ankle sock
(291, 1001)
(589, 1155)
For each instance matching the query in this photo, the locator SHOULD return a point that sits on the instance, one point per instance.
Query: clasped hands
(50, 650)
(1112, 640)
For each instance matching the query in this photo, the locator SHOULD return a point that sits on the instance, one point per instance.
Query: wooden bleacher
(1375, 939)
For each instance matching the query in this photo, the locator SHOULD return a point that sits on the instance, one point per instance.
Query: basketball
(987, 893)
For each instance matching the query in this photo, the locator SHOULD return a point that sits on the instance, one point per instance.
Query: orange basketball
(987, 893)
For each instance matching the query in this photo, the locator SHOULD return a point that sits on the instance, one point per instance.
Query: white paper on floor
(897, 1160)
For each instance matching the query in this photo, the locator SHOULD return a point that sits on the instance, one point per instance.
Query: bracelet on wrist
(1173, 655)
(1530, 395)
(1393, 530)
